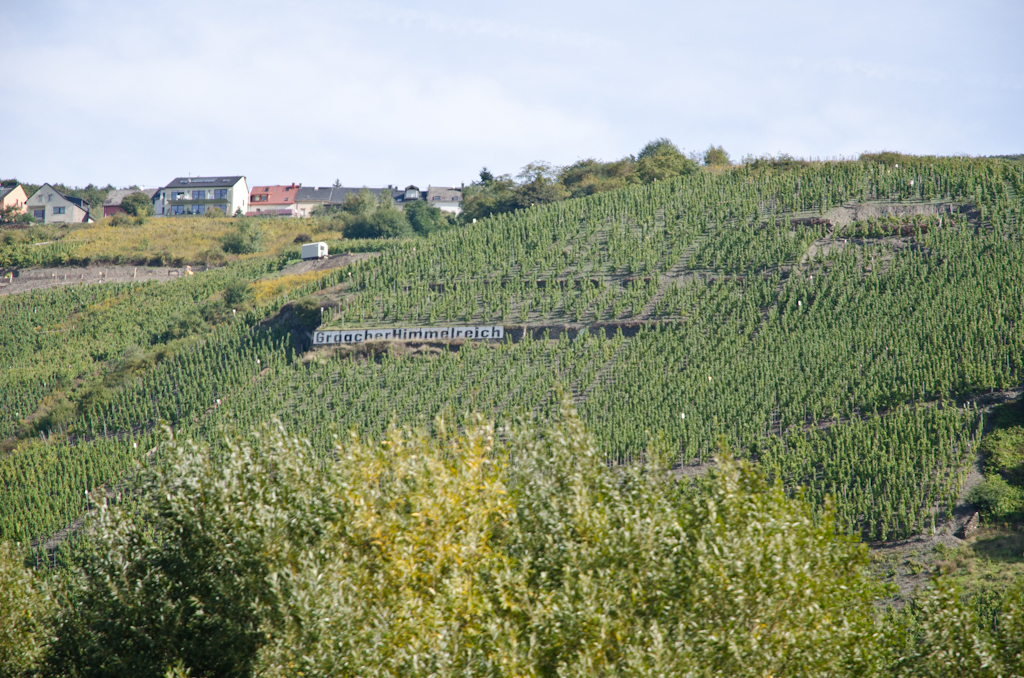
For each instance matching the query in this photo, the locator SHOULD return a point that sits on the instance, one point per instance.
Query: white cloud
(405, 92)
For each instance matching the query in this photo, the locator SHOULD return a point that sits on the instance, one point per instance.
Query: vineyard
(840, 353)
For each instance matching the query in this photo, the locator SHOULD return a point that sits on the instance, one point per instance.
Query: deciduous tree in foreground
(451, 553)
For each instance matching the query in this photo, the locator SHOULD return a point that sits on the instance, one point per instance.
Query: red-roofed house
(273, 201)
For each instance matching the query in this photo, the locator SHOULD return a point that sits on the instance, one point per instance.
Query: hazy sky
(379, 93)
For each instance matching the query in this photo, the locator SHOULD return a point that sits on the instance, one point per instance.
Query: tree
(660, 160)
(337, 183)
(716, 156)
(247, 238)
(237, 292)
(590, 176)
(25, 607)
(137, 205)
(362, 203)
(427, 554)
(425, 219)
(12, 213)
(387, 223)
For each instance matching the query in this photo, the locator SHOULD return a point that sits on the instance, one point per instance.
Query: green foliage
(237, 292)
(420, 554)
(10, 214)
(426, 219)
(716, 156)
(590, 176)
(26, 606)
(660, 160)
(386, 222)
(454, 554)
(541, 183)
(996, 499)
(245, 239)
(137, 205)
(1003, 452)
(361, 204)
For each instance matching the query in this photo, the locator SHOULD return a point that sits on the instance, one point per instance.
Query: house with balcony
(276, 201)
(50, 206)
(197, 195)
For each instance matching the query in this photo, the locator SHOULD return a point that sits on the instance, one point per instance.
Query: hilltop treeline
(452, 554)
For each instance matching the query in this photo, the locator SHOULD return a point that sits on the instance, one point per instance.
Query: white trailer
(314, 250)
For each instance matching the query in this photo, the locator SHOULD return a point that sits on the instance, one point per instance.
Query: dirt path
(333, 261)
(23, 280)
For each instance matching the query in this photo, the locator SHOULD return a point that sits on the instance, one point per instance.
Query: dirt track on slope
(24, 280)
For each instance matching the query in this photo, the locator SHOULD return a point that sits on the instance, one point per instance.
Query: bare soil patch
(333, 261)
(23, 280)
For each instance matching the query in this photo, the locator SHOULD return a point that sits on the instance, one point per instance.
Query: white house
(50, 206)
(196, 195)
(446, 198)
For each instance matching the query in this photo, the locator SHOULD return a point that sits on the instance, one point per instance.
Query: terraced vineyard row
(786, 351)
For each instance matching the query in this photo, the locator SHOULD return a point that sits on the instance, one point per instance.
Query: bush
(383, 223)
(452, 555)
(716, 156)
(121, 220)
(301, 238)
(996, 498)
(137, 205)
(1003, 451)
(426, 219)
(25, 608)
(247, 238)
(238, 292)
(660, 160)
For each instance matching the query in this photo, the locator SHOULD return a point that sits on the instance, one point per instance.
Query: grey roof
(335, 195)
(116, 196)
(444, 194)
(204, 182)
(76, 201)
(5, 190)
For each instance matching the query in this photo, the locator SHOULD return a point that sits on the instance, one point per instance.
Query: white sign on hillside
(321, 337)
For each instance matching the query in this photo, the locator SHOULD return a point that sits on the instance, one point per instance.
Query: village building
(50, 206)
(13, 196)
(448, 199)
(112, 204)
(278, 201)
(197, 195)
(309, 198)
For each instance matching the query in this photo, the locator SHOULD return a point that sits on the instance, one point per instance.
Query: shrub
(716, 156)
(454, 555)
(383, 223)
(425, 219)
(660, 160)
(137, 205)
(121, 220)
(996, 498)
(301, 238)
(247, 237)
(238, 292)
(1004, 454)
(25, 608)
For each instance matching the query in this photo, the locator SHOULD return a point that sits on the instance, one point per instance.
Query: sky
(377, 93)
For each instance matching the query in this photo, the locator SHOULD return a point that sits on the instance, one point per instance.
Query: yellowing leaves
(269, 288)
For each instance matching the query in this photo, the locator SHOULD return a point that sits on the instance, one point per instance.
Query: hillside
(837, 323)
